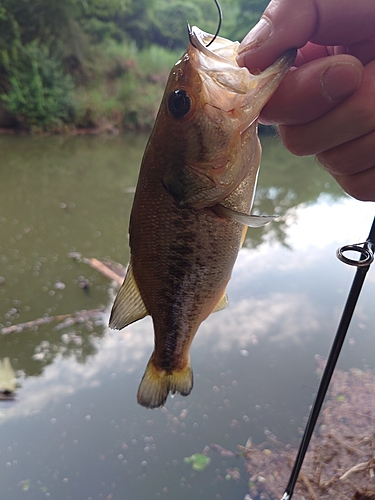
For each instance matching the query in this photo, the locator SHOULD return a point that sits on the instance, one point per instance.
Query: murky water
(75, 430)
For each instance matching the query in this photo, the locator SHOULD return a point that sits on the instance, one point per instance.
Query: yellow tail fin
(157, 383)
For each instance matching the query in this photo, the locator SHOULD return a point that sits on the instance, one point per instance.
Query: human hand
(326, 104)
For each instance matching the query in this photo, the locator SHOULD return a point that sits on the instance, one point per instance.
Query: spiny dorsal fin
(245, 219)
(129, 306)
(222, 304)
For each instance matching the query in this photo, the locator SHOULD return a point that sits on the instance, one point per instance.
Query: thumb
(284, 25)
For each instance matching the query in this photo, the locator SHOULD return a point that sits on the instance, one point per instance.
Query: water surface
(75, 430)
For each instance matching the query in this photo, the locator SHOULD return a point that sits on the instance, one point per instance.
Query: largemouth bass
(193, 198)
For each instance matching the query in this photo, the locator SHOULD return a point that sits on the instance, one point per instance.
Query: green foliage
(104, 8)
(40, 38)
(99, 18)
(170, 23)
(248, 15)
(36, 19)
(63, 20)
(39, 93)
(99, 30)
(157, 60)
(138, 21)
(143, 21)
(128, 86)
(198, 461)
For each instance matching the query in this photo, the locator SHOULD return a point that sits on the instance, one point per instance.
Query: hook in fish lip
(190, 33)
(197, 36)
(195, 42)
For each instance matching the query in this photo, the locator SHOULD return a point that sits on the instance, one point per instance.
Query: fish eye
(179, 103)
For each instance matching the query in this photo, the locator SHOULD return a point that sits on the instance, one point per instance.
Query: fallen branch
(111, 270)
(308, 485)
(116, 274)
(357, 468)
(345, 445)
(76, 317)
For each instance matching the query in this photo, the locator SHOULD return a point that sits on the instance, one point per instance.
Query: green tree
(100, 18)
(249, 12)
(39, 93)
(137, 22)
(61, 21)
(170, 23)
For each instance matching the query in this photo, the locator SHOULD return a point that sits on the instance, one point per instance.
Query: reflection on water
(75, 430)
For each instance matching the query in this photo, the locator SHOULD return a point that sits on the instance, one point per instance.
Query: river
(75, 430)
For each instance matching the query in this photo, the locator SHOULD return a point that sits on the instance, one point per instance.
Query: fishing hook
(217, 30)
(366, 252)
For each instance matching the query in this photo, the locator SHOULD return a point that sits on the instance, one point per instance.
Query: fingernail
(257, 36)
(340, 80)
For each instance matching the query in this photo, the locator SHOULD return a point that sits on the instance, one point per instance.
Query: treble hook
(217, 30)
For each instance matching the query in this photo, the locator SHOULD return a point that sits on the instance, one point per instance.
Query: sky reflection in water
(76, 431)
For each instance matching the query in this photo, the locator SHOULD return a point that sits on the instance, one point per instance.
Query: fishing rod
(366, 257)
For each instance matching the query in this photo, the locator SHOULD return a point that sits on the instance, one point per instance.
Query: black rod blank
(342, 329)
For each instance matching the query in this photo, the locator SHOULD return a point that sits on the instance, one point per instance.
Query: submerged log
(63, 319)
(109, 269)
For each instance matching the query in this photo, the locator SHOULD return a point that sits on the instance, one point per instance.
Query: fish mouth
(221, 49)
(281, 65)
(218, 62)
(225, 51)
(225, 85)
(266, 82)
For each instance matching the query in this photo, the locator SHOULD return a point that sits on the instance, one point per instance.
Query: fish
(192, 204)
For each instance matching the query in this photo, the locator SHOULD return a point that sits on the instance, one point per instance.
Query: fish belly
(182, 260)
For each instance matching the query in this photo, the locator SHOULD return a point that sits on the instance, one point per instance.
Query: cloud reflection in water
(279, 312)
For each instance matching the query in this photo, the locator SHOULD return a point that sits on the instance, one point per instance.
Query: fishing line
(217, 29)
(366, 252)
(219, 24)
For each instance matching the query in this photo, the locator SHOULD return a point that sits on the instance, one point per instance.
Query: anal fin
(128, 306)
(222, 304)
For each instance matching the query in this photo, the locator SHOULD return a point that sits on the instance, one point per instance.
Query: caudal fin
(157, 383)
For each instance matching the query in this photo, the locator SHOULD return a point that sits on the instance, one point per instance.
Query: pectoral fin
(191, 188)
(245, 219)
(129, 306)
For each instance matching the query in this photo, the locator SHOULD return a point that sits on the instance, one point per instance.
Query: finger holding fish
(327, 81)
